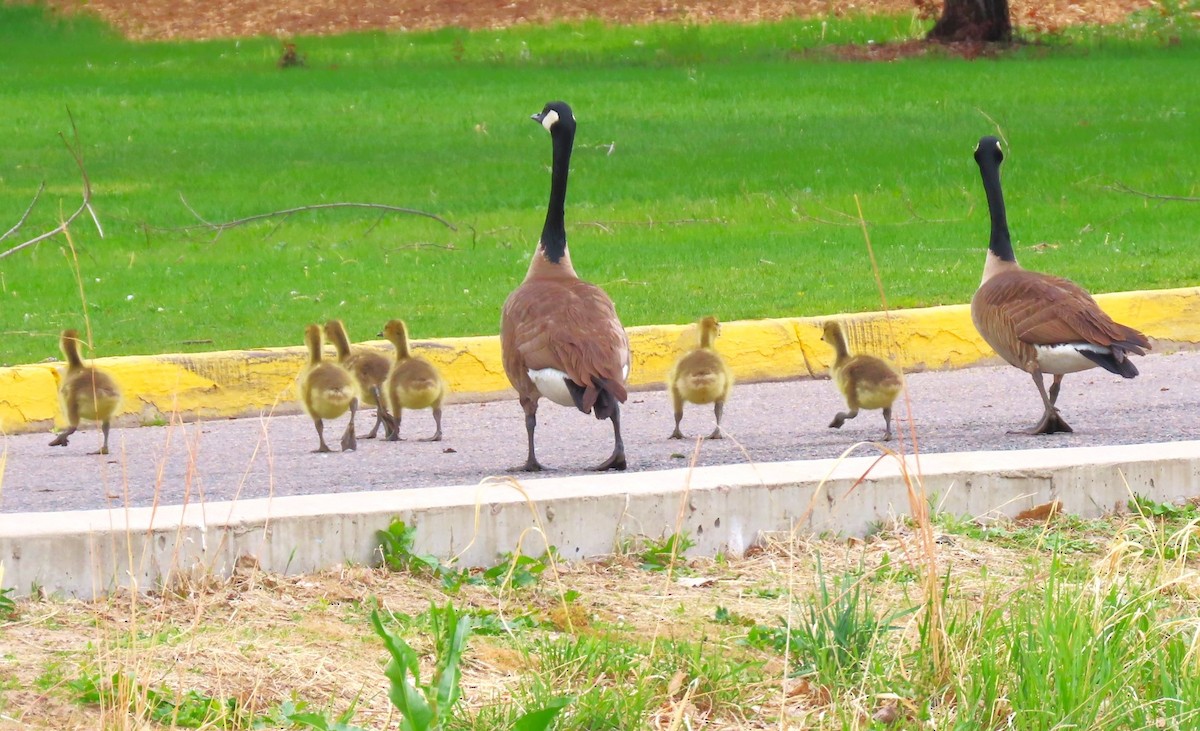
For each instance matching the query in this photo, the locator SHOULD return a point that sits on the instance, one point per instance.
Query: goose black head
(989, 150)
(555, 115)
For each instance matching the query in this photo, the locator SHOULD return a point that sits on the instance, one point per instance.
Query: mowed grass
(715, 171)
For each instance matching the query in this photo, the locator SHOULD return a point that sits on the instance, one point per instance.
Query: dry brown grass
(265, 638)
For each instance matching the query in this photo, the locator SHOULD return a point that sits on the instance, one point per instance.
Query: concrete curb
(251, 382)
(726, 508)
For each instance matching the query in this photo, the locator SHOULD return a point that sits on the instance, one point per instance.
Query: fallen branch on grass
(76, 150)
(21, 221)
(1122, 188)
(221, 226)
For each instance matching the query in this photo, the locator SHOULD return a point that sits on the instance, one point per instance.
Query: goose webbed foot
(349, 442)
(322, 449)
(837, 421)
(615, 462)
(102, 450)
(531, 465)
(676, 434)
(437, 437)
(1051, 423)
(716, 434)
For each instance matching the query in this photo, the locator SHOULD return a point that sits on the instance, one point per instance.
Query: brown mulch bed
(201, 19)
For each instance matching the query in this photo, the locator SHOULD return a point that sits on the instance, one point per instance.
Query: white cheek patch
(550, 119)
(552, 383)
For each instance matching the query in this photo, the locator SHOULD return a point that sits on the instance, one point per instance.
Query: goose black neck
(554, 231)
(1000, 244)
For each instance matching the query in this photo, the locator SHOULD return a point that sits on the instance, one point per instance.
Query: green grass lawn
(715, 172)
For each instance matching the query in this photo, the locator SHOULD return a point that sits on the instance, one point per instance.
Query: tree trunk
(973, 20)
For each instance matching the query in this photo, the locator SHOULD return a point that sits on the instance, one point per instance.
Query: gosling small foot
(349, 443)
(102, 450)
(837, 422)
(717, 434)
(59, 441)
(437, 437)
(322, 449)
(676, 434)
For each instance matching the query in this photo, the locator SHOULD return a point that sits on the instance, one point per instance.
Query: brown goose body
(1037, 322)
(85, 393)
(701, 376)
(369, 369)
(327, 391)
(866, 382)
(560, 336)
(412, 383)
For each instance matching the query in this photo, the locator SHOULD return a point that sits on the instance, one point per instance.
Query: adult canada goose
(865, 381)
(369, 369)
(327, 391)
(559, 335)
(85, 393)
(701, 377)
(412, 383)
(1037, 322)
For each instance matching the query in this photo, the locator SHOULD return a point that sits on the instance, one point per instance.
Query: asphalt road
(247, 458)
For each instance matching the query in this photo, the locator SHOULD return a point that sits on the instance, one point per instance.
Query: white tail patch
(1067, 357)
(552, 383)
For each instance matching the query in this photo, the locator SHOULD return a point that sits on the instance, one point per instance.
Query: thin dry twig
(76, 150)
(21, 221)
(651, 223)
(1122, 188)
(221, 226)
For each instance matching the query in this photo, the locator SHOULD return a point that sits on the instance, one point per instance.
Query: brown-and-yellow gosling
(327, 391)
(867, 382)
(369, 369)
(85, 393)
(413, 382)
(701, 377)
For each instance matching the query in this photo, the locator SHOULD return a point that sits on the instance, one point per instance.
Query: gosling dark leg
(677, 402)
(842, 416)
(320, 425)
(394, 434)
(718, 409)
(437, 422)
(617, 460)
(103, 447)
(381, 414)
(887, 423)
(349, 443)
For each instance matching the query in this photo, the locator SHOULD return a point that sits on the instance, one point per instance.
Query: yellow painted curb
(252, 382)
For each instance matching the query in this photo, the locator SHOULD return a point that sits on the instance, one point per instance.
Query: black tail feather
(1115, 361)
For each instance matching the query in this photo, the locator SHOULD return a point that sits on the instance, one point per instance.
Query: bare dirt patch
(171, 19)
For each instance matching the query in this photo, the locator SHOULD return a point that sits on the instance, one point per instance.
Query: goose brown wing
(572, 326)
(1048, 310)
